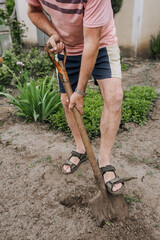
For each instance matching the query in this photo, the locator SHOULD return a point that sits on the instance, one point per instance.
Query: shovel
(105, 207)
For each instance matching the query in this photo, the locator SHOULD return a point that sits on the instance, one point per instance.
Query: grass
(130, 199)
(132, 158)
(149, 173)
(124, 66)
(1, 123)
(47, 158)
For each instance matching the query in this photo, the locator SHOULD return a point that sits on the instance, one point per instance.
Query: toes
(117, 187)
(66, 168)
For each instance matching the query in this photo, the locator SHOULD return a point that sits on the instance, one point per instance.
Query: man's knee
(64, 101)
(114, 99)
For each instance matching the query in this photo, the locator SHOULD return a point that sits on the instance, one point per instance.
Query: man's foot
(74, 162)
(113, 183)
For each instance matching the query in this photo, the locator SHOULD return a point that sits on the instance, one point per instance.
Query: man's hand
(56, 43)
(76, 100)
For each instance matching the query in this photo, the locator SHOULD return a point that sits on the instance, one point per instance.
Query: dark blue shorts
(107, 66)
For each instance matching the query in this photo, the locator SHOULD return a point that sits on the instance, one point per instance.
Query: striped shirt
(70, 16)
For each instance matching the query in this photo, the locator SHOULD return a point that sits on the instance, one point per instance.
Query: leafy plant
(16, 28)
(155, 47)
(1, 88)
(124, 66)
(36, 101)
(37, 62)
(138, 101)
(116, 5)
(34, 62)
(6, 75)
(129, 199)
(10, 6)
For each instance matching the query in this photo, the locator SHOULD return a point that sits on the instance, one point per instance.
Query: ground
(39, 202)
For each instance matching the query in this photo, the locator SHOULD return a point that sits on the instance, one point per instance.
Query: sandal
(109, 185)
(82, 157)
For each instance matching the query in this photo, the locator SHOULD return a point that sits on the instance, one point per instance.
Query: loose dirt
(39, 202)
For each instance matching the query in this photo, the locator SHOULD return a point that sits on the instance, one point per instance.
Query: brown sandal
(82, 157)
(109, 185)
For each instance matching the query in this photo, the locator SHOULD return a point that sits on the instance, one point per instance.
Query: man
(86, 28)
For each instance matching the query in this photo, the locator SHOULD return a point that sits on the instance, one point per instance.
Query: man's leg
(112, 94)
(74, 129)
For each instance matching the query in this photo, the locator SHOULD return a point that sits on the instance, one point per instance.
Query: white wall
(135, 23)
(31, 34)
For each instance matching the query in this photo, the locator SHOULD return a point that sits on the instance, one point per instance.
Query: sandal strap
(110, 184)
(81, 156)
(77, 154)
(107, 168)
(68, 162)
(116, 180)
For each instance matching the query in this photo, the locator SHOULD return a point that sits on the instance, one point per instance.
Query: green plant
(1, 88)
(34, 62)
(6, 75)
(16, 28)
(129, 199)
(116, 5)
(10, 6)
(155, 46)
(124, 66)
(138, 101)
(36, 101)
(37, 62)
(91, 116)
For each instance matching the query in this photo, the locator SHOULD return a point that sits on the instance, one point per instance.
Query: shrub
(10, 6)
(155, 47)
(116, 5)
(138, 101)
(31, 63)
(5, 76)
(37, 100)
(37, 62)
(124, 66)
(136, 105)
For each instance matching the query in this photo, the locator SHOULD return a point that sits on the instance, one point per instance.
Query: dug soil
(39, 202)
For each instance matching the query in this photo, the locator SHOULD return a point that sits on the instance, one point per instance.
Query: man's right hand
(56, 43)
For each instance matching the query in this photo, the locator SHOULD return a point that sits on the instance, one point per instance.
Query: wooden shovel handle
(79, 120)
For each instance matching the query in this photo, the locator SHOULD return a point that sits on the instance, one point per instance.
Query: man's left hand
(76, 100)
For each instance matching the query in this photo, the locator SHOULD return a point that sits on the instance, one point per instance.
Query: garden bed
(37, 201)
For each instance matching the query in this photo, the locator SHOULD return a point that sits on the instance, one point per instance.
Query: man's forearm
(40, 20)
(87, 64)
(89, 56)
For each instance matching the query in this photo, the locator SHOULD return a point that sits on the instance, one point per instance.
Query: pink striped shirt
(70, 16)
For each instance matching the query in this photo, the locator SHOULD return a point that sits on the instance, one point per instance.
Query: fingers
(58, 48)
(78, 105)
(79, 108)
(56, 44)
(77, 101)
(71, 105)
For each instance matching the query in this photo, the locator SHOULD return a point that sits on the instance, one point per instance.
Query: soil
(39, 202)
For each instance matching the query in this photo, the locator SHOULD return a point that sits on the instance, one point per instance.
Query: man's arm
(41, 21)
(89, 56)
